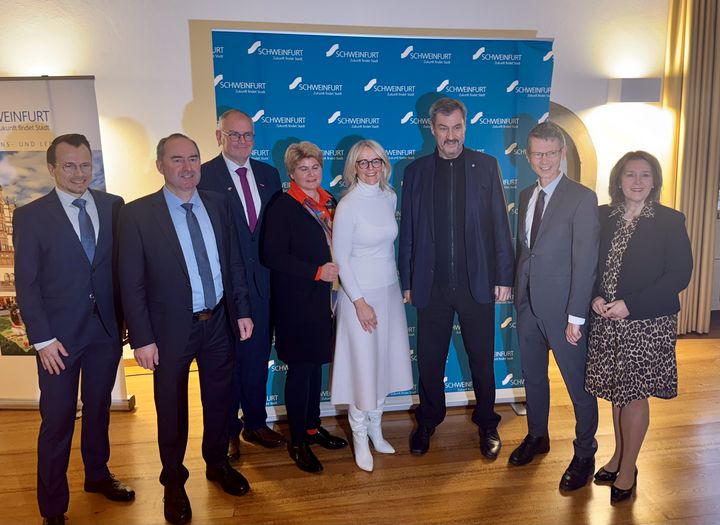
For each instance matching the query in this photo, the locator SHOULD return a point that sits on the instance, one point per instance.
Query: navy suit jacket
(156, 291)
(216, 177)
(488, 243)
(56, 284)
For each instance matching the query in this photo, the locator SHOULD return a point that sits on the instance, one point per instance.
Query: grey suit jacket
(560, 269)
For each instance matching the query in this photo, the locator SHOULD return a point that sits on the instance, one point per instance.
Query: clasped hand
(614, 310)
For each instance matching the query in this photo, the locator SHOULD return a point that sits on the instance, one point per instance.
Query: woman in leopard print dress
(645, 261)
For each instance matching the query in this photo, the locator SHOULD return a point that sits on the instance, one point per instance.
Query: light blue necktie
(87, 232)
(201, 256)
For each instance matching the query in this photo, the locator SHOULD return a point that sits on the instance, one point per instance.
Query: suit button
(532, 255)
(91, 297)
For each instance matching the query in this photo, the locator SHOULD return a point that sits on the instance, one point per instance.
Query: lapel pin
(261, 185)
(472, 165)
(229, 188)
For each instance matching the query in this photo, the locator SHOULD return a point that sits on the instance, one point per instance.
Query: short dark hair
(74, 139)
(160, 151)
(547, 131)
(446, 106)
(616, 195)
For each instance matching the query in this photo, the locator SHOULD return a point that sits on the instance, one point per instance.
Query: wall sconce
(634, 89)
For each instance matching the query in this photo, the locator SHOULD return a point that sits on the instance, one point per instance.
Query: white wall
(139, 52)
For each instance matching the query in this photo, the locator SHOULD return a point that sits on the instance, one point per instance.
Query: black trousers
(250, 374)
(98, 362)
(211, 344)
(302, 398)
(477, 326)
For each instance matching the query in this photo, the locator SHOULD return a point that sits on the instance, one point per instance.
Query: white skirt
(367, 367)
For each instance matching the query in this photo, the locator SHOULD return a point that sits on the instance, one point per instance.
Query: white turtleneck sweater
(364, 232)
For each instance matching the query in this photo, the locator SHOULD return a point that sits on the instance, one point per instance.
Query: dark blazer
(216, 177)
(657, 263)
(560, 269)
(294, 246)
(56, 284)
(488, 242)
(156, 291)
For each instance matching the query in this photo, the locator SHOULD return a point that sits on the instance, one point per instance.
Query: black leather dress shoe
(233, 452)
(490, 443)
(177, 505)
(603, 476)
(528, 449)
(304, 458)
(113, 489)
(323, 438)
(55, 520)
(577, 474)
(264, 436)
(229, 479)
(420, 440)
(617, 495)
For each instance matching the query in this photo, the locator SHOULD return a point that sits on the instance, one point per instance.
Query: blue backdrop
(334, 90)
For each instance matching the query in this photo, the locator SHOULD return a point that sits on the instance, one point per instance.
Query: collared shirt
(73, 212)
(178, 216)
(232, 167)
(549, 190)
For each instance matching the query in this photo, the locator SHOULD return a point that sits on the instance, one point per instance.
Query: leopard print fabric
(629, 360)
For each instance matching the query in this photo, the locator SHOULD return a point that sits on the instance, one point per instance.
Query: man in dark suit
(184, 292)
(64, 268)
(249, 185)
(557, 251)
(455, 256)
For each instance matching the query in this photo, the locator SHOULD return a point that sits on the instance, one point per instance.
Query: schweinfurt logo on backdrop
(354, 120)
(494, 122)
(411, 119)
(447, 87)
(375, 85)
(496, 58)
(257, 48)
(300, 84)
(530, 91)
(426, 55)
(240, 87)
(280, 121)
(337, 51)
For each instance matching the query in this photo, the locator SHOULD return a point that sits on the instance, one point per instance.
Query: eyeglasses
(234, 136)
(70, 167)
(365, 164)
(549, 155)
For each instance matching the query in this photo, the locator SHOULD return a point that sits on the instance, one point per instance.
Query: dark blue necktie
(201, 256)
(87, 232)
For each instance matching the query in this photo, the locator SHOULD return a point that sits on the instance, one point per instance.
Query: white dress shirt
(232, 168)
(73, 212)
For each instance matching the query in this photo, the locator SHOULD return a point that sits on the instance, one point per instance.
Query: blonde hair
(350, 176)
(299, 151)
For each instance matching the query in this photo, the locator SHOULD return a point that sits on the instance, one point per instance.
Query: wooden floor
(679, 480)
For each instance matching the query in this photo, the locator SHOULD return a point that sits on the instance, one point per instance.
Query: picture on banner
(28, 124)
(337, 89)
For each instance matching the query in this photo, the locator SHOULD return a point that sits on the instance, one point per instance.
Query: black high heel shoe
(617, 495)
(603, 476)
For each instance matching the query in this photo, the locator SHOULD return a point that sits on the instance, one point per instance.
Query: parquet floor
(679, 467)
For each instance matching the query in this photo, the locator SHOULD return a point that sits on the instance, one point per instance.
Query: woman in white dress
(372, 352)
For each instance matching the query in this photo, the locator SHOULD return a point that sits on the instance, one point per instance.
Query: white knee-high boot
(358, 420)
(375, 431)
